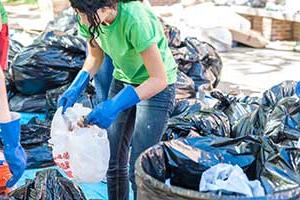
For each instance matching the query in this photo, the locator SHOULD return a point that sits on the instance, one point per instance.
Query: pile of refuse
(48, 184)
(222, 145)
(40, 72)
(239, 146)
(198, 62)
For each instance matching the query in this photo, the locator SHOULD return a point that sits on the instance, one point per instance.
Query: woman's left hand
(106, 112)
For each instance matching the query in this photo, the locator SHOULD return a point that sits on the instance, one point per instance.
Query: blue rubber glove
(106, 112)
(71, 95)
(13, 152)
(298, 89)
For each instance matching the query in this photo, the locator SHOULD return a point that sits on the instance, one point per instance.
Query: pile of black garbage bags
(198, 62)
(42, 71)
(260, 135)
(48, 184)
(39, 73)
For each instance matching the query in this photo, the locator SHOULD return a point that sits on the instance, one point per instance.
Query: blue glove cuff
(81, 80)
(298, 89)
(11, 136)
(125, 99)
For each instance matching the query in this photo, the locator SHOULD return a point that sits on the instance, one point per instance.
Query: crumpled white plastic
(230, 178)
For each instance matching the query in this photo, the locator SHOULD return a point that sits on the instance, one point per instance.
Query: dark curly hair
(90, 7)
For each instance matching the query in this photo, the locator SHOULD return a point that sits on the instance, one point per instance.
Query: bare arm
(0, 23)
(4, 109)
(157, 75)
(94, 59)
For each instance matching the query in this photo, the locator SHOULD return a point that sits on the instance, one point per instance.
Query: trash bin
(151, 184)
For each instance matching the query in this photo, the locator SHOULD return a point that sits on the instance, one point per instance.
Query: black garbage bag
(283, 125)
(39, 156)
(10, 86)
(197, 74)
(28, 103)
(200, 61)
(15, 47)
(180, 107)
(251, 124)
(211, 122)
(187, 159)
(272, 96)
(254, 102)
(281, 170)
(34, 139)
(206, 56)
(204, 122)
(35, 132)
(173, 35)
(48, 184)
(87, 99)
(177, 125)
(65, 22)
(232, 107)
(51, 61)
(185, 87)
(255, 123)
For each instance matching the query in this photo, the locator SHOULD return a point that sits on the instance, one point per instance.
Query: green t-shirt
(134, 30)
(3, 14)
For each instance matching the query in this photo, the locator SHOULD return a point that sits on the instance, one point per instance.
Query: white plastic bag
(82, 153)
(229, 178)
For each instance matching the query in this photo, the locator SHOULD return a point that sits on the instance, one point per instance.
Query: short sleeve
(83, 29)
(143, 34)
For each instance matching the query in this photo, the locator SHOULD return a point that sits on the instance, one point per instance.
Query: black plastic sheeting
(233, 107)
(200, 61)
(48, 184)
(34, 138)
(15, 47)
(28, 103)
(87, 98)
(47, 104)
(255, 123)
(283, 124)
(185, 88)
(180, 107)
(272, 123)
(173, 35)
(281, 170)
(65, 22)
(51, 61)
(203, 122)
(186, 159)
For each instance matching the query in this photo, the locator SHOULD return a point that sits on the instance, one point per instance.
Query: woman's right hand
(71, 95)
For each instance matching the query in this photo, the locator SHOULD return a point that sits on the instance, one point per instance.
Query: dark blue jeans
(141, 127)
(103, 79)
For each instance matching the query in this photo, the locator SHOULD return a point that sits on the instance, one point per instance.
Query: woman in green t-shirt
(142, 92)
